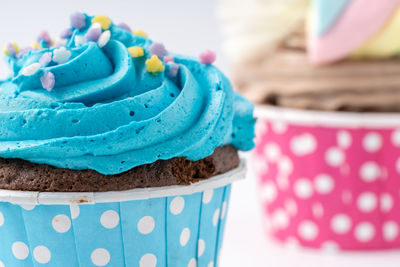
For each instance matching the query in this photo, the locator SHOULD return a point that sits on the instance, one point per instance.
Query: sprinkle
(104, 38)
(61, 55)
(94, 32)
(78, 20)
(36, 45)
(104, 21)
(158, 49)
(44, 36)
(66, 34)
(168, 59)
(31, 69)
(5, 50)
(154, 65)
(173, 70)
(125, 26)
(79, 40)
(136, 51)
(11, 49)
(140, 33)
(207, 57)
(48, 81)
(23, 51)
(45, 59)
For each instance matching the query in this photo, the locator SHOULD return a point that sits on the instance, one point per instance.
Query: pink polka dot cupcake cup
(166, 226)
(329, 179)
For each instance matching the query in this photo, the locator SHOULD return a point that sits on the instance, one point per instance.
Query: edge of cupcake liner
(329, 118)
(66, 198)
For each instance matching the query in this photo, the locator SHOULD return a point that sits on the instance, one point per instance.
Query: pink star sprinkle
(48, 81)
(168, 59)
(207, 57)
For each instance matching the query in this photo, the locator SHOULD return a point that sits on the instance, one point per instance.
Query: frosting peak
(107, 100)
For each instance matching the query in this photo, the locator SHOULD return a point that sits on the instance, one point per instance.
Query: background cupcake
(107, 109)
(328, 176)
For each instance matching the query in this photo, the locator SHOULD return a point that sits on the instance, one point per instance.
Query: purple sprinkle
(158, 49)
(125, 26)
(23, 51)
(78, 20)
(45, 59)
(11, 50)
(173, 70)
(66, 34)
(93, 33)
(44, 35)
(48, 81)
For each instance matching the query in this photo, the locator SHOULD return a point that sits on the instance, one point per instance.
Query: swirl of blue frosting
(107, 113)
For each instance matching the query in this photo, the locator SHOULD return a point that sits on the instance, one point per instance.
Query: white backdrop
(186, 27)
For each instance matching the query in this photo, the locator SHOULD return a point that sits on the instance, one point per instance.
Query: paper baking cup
(166, 226)
(330, 179)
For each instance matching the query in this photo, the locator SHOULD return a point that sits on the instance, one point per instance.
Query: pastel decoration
(61, 55)
(48, 81)
(93, 33)
(104, 21)
(45, 59)
(168, 59)
(385, 44)
(158, 49)
(140, 33)
(154, 65)
(325, 13)
(173, 70)
(207, 57)
(340, 41)
(78, 20)
(31, 69)
(125, 26)
(36, 45)
(67, 33)
(104, 38)
(136, 51)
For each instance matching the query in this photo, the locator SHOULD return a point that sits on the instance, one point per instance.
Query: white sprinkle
(31, 69)
(61, 55)
(104, 38)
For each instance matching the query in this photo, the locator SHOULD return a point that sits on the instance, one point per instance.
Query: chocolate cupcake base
(17, 174)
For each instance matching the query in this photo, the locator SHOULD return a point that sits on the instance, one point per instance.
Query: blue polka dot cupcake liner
(166, 226)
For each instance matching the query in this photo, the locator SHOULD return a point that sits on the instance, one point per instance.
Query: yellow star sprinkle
(140, 33)
(104, 21)
(16, 47)
(36, 45)
(154, 65)
(136, 51)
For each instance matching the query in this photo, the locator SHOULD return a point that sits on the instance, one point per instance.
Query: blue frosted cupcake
(116, 152)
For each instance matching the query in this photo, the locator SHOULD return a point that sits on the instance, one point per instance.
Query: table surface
(246, 243)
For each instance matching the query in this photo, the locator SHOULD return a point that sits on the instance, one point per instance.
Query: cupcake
(325, 77)
(116, 152)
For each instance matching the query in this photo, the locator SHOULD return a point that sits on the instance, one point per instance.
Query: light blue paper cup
(167, 226)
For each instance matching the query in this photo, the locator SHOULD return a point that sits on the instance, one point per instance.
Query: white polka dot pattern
(155, 231)
(61, 223)
(100, 257)
(330, 185)
(109, 219)
(42, 254)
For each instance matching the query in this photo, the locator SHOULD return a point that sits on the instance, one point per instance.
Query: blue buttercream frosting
(107, 113)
